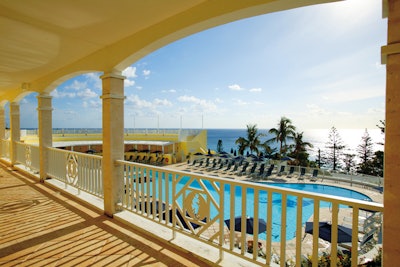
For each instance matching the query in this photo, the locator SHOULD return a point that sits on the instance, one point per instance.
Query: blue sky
(319, 66)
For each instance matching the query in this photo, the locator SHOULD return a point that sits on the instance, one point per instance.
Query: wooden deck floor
(40, 226)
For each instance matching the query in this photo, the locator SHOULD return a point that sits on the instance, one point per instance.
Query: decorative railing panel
(28, 155)
(83, 171)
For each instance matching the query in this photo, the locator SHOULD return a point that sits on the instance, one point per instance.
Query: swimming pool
(251, 200)
(323, 189)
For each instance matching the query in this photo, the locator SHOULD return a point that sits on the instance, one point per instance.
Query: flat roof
(131, 142)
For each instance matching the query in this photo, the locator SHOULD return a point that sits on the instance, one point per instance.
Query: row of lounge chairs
(147, 160)
(254, 170)
(370, 236)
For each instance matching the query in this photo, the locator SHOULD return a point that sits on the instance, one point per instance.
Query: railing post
(113, 141)
(15, 131)
(45, 132)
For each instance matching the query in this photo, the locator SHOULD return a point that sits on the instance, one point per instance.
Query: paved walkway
(40, 226)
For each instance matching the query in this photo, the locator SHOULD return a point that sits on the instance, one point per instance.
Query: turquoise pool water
(308, 204)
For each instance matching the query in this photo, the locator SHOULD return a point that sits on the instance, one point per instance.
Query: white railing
(28, 155)
(360, 180)
(198, 205)
(205, 207)
(83, 171)
(5, 149)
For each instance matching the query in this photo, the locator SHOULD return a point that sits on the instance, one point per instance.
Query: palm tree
(300, 149)
(268, 150)
(252, 141)
(285, 131)
(242, 145)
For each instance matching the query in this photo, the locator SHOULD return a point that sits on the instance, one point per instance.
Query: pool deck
(373, 194)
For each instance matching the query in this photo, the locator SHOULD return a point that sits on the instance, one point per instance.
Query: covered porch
(93, 44)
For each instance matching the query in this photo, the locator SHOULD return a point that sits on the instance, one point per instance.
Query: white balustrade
(206, 207)
(79, 170)
(28, 156)
(198, 205)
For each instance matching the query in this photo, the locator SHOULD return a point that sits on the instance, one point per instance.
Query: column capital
(45, 109)
(113, 96)
(389, 49)
(112, 75)
(44, 95)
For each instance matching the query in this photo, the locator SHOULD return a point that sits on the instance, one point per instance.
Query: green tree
(382, 126)
(220, 147)
(365, 153)
(284, 132)
(377, 164)
(349, 162)
(252, 141)
(299, 150)
(335, 147)
(268, 150)
(242, 144)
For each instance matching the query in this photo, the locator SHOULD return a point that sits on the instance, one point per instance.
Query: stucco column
(391, 226)
(45, 131)
(2, 123)
(15, 131)
(113, 140)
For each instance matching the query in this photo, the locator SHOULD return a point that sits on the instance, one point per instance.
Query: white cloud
(235, 87)
(341, 94)
(136, 102)
(198, 105)
(70, 112)
(169, 91)
(162, 102)
(315, 110)
(94, 77)
(129, 72)
(146, 72)
(87, 93)
(376, 111)
(240, 102)
(56, 94)
(77, 85)
(255, 90)
(129, 82)
(95, 104)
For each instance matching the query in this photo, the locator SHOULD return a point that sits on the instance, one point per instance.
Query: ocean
(317, 137)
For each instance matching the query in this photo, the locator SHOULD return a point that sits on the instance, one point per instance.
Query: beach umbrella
(198, 154)
(325, 232)
(262, 225)
(287, 158)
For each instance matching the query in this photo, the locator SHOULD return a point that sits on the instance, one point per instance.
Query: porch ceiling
(44, 41)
